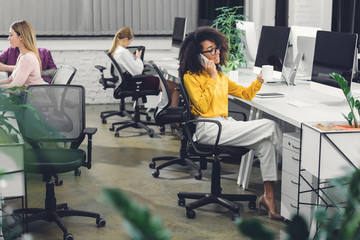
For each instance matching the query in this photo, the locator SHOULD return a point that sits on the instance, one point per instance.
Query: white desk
(321, 107)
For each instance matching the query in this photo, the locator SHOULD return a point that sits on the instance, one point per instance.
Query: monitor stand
(289, 78)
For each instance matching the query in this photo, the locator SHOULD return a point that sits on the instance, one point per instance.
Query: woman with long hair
(27, 70)
(133, 65)
(202, 54)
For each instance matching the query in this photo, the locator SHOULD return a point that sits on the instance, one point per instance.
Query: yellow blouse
(209, 97)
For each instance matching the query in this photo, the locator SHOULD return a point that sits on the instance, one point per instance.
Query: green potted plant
(353, 104)
(226, 23)
(9, 105)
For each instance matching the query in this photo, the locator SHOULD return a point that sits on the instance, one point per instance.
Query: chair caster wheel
(112, 128)
(152, 165)
(190, 213)
(100, 222)
(162, 129)
(116, 134)
(235, 216)
(68, 236)
(156, 173)
(252, 205)
(181, 202)
(198, 176)
(148, 118)
(77, 172)
(58, 182)
(103, 121)
(151, 135)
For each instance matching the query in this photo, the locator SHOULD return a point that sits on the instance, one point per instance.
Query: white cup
(267, 73)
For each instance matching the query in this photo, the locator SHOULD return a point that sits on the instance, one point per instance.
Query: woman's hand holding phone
(209, 66)
(138, 53)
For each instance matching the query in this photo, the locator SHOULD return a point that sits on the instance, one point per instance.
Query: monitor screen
(178, 31)
(334, 52)
(272, 48)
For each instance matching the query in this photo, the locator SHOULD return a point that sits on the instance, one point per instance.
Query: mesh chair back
(188, 114)
(165, 99)
(63, 75)
(116, 69)
(61, 110)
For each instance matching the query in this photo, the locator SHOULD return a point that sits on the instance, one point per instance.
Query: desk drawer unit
(290, 178)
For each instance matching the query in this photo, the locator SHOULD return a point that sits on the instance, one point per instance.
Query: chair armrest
(241, 113)
(100, 68)
(188, 131)
(89, 132)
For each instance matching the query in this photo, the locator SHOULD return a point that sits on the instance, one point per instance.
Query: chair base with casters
(54, 212)
(183, 160)
(215, 196)
(135, 121)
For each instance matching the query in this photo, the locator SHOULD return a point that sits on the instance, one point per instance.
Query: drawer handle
(293, 206)
(294, 182)
(297, 148)
(295, 159)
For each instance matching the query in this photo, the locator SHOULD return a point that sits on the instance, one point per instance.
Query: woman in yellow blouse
(208, 90)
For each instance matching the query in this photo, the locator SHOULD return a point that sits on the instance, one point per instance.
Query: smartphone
(202, 58)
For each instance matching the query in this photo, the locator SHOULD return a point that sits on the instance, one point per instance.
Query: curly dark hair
(191, 48)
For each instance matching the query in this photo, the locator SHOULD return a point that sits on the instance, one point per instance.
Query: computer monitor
(296, 32)
(178, 32)
(251, 40)
(272, 48)
(334, 52)
(306, 46)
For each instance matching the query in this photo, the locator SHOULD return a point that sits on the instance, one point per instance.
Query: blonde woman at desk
(27, 70)
(133, 65)
(208, 90)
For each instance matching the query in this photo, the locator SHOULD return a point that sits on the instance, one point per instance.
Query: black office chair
(63, 75)
(120, 92)
(110, 83)
(164, 114)
(61, 109)
(212, 154)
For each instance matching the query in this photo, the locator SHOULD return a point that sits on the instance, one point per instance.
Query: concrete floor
(124, 163)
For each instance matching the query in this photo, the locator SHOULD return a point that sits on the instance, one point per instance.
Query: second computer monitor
(272, 48)
(334, 52)
(178, 31)
(306, 46)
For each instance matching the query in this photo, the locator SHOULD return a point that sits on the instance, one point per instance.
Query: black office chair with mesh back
(212, 154)
(61, 109)
(110, 83)
(164, 114)
(120, 92)
(63, 75)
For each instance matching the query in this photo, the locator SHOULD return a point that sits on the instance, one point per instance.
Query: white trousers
(263, 136)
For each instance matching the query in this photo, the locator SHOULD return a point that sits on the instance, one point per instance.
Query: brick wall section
(87, 75)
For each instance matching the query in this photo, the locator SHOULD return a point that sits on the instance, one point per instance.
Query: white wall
(85, 54)
(310, 13)
(316, 13)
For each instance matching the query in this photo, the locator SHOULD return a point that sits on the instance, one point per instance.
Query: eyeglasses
(213, 51)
